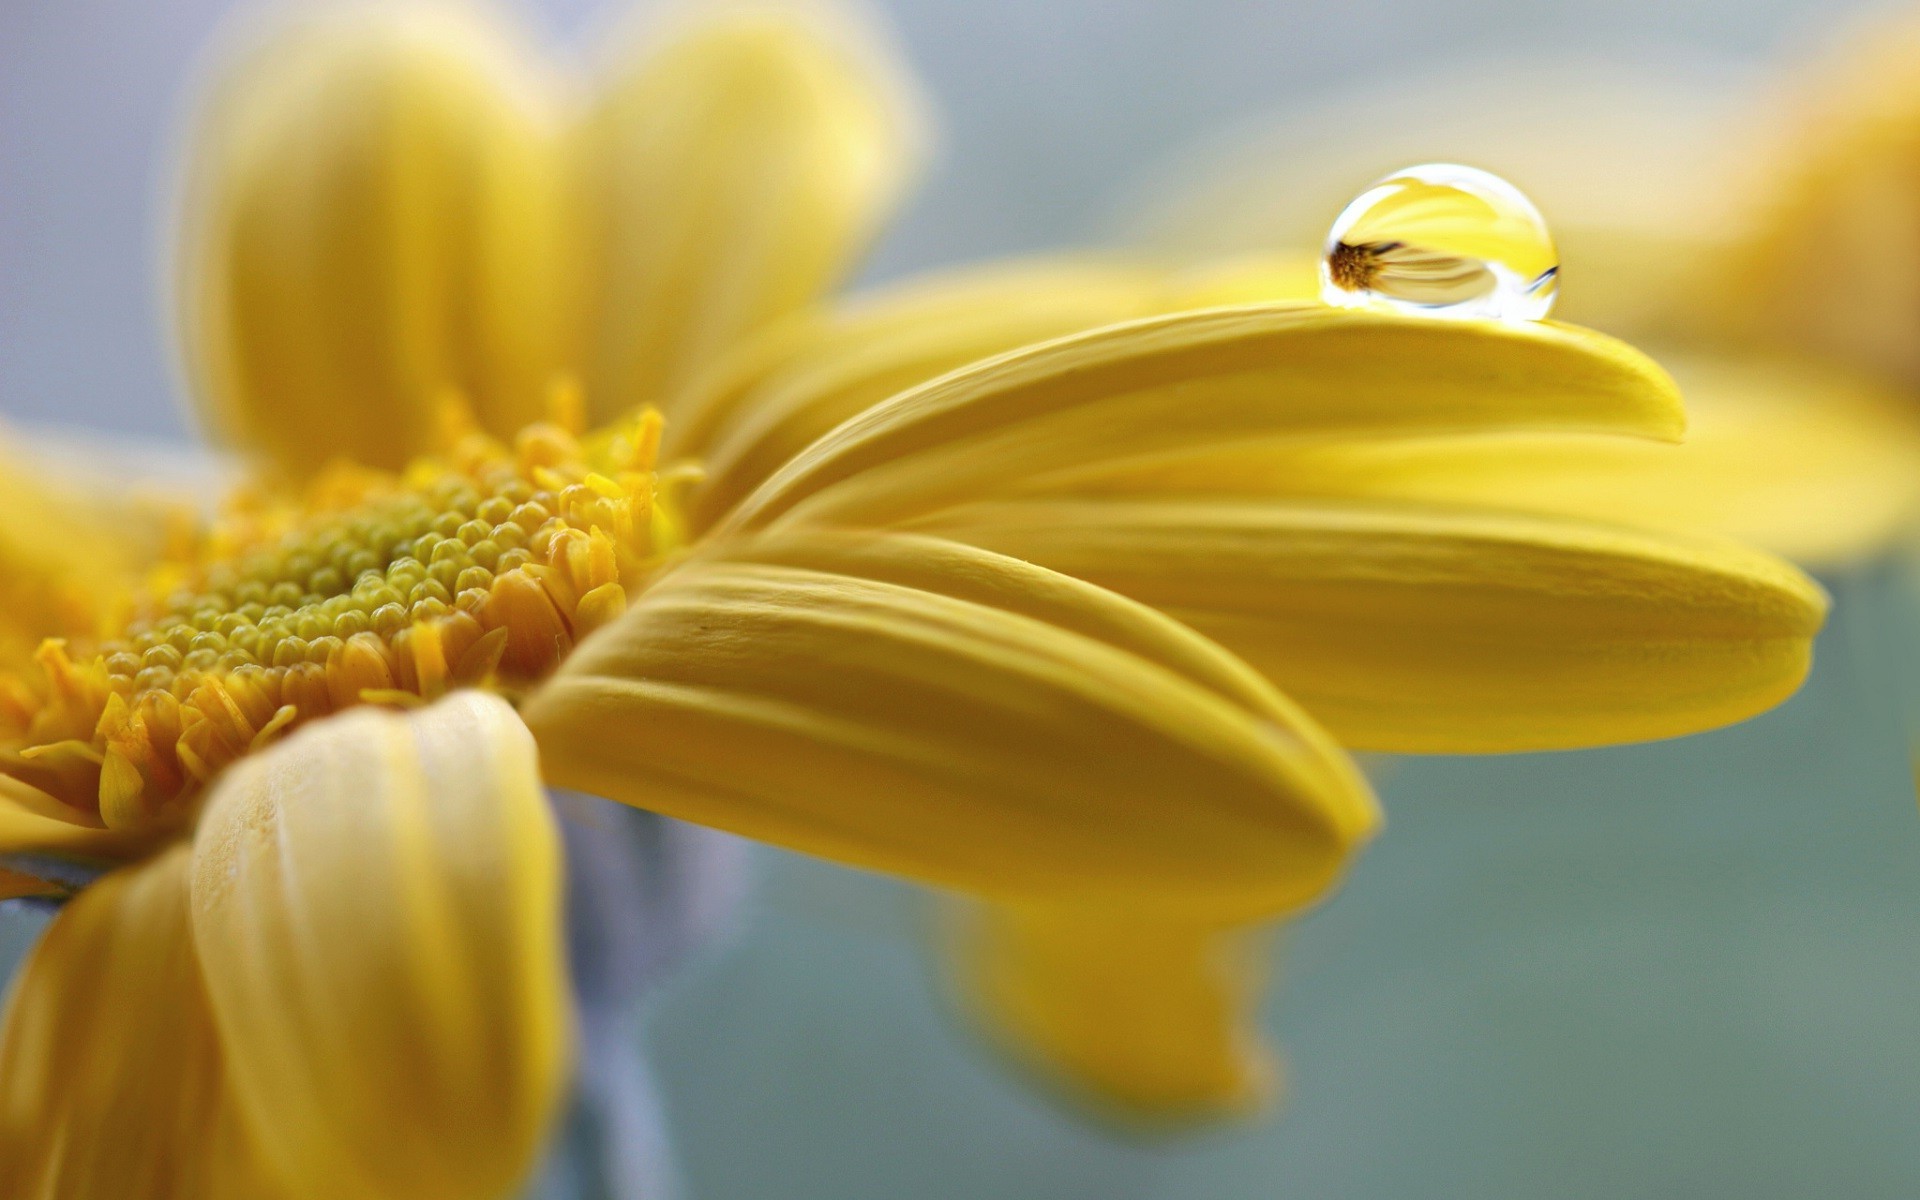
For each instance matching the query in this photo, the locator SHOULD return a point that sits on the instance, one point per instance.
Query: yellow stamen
(482, 566)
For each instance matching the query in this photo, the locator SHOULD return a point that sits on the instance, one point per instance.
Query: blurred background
(1687, 969)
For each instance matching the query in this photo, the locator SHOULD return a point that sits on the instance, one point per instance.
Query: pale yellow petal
(980, 723)
(1413, 627)
(111, 1077)
(1817, 465)
(1831, 262)
(69, 547)
(730, 177)
(370, 224)
(1146, 1015)
(377, 902)
(1208, 377)
(1246, 278)
(805, 376)
(33, 822)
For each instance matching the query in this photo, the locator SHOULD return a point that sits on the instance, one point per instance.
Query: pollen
(479, 567)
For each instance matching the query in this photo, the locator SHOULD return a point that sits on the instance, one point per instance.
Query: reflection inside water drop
(1442, 240)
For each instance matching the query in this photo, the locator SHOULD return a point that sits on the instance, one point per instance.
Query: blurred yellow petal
(371, 223)
(1816, 465)
(1242, 279)
(731, 177)
(805, 376)
(111, 1080)
(33, 822)
(1412, 627)
(70, 543)
(985, 724)
(377, 901)
(1831, 264)
(1208, 377)
(1140, 1012)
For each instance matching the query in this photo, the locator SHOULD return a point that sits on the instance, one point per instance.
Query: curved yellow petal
(111, 1076)
(33, 822)
(377, 903)
(1414, 628)
(1208, 377)
(1816, 465)
(730, 177)
(371, 224)
(940, 712)
(805, 376)
(1148, 1015)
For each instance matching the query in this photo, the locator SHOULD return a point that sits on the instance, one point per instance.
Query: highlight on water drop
(1442, 240)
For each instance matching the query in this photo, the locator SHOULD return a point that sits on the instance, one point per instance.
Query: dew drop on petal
(1442, 240)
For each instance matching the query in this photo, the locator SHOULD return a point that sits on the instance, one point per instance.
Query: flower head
(925, 585)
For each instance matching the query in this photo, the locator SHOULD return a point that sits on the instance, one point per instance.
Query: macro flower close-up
(582, 550)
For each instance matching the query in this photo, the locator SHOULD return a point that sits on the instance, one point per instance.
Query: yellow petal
(111, 1081)
(1815, 465)
(371, 224)
(1410, 627)
(33, 822)
(951, 715)
(1209, 377)
(377, 902)
(730, 178)
(1146, 1014)
(805, 376)
(70, 544)
(1832, 263)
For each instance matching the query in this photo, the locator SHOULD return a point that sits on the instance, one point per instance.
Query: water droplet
(1442, 240)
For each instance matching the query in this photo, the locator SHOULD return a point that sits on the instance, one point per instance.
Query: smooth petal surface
(1208, 377)
(378, 905)
(1147, 1015)
(940, 712)
(1415, 628)
(730, 177)
(805, 376)
(1813, 464)
(111, 1078)
(371, 221)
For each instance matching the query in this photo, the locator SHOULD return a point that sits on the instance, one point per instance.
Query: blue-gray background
(1689, 969)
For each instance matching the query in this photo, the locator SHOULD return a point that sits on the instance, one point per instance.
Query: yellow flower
(1764, 252)
(1399, 622)
(966, 627)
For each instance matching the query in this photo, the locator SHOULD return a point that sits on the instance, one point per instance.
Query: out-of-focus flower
(379, 210)
(1397, 621)
(336, 968)
(968, 627)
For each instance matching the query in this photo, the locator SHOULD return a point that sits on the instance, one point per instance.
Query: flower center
(479, 567)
